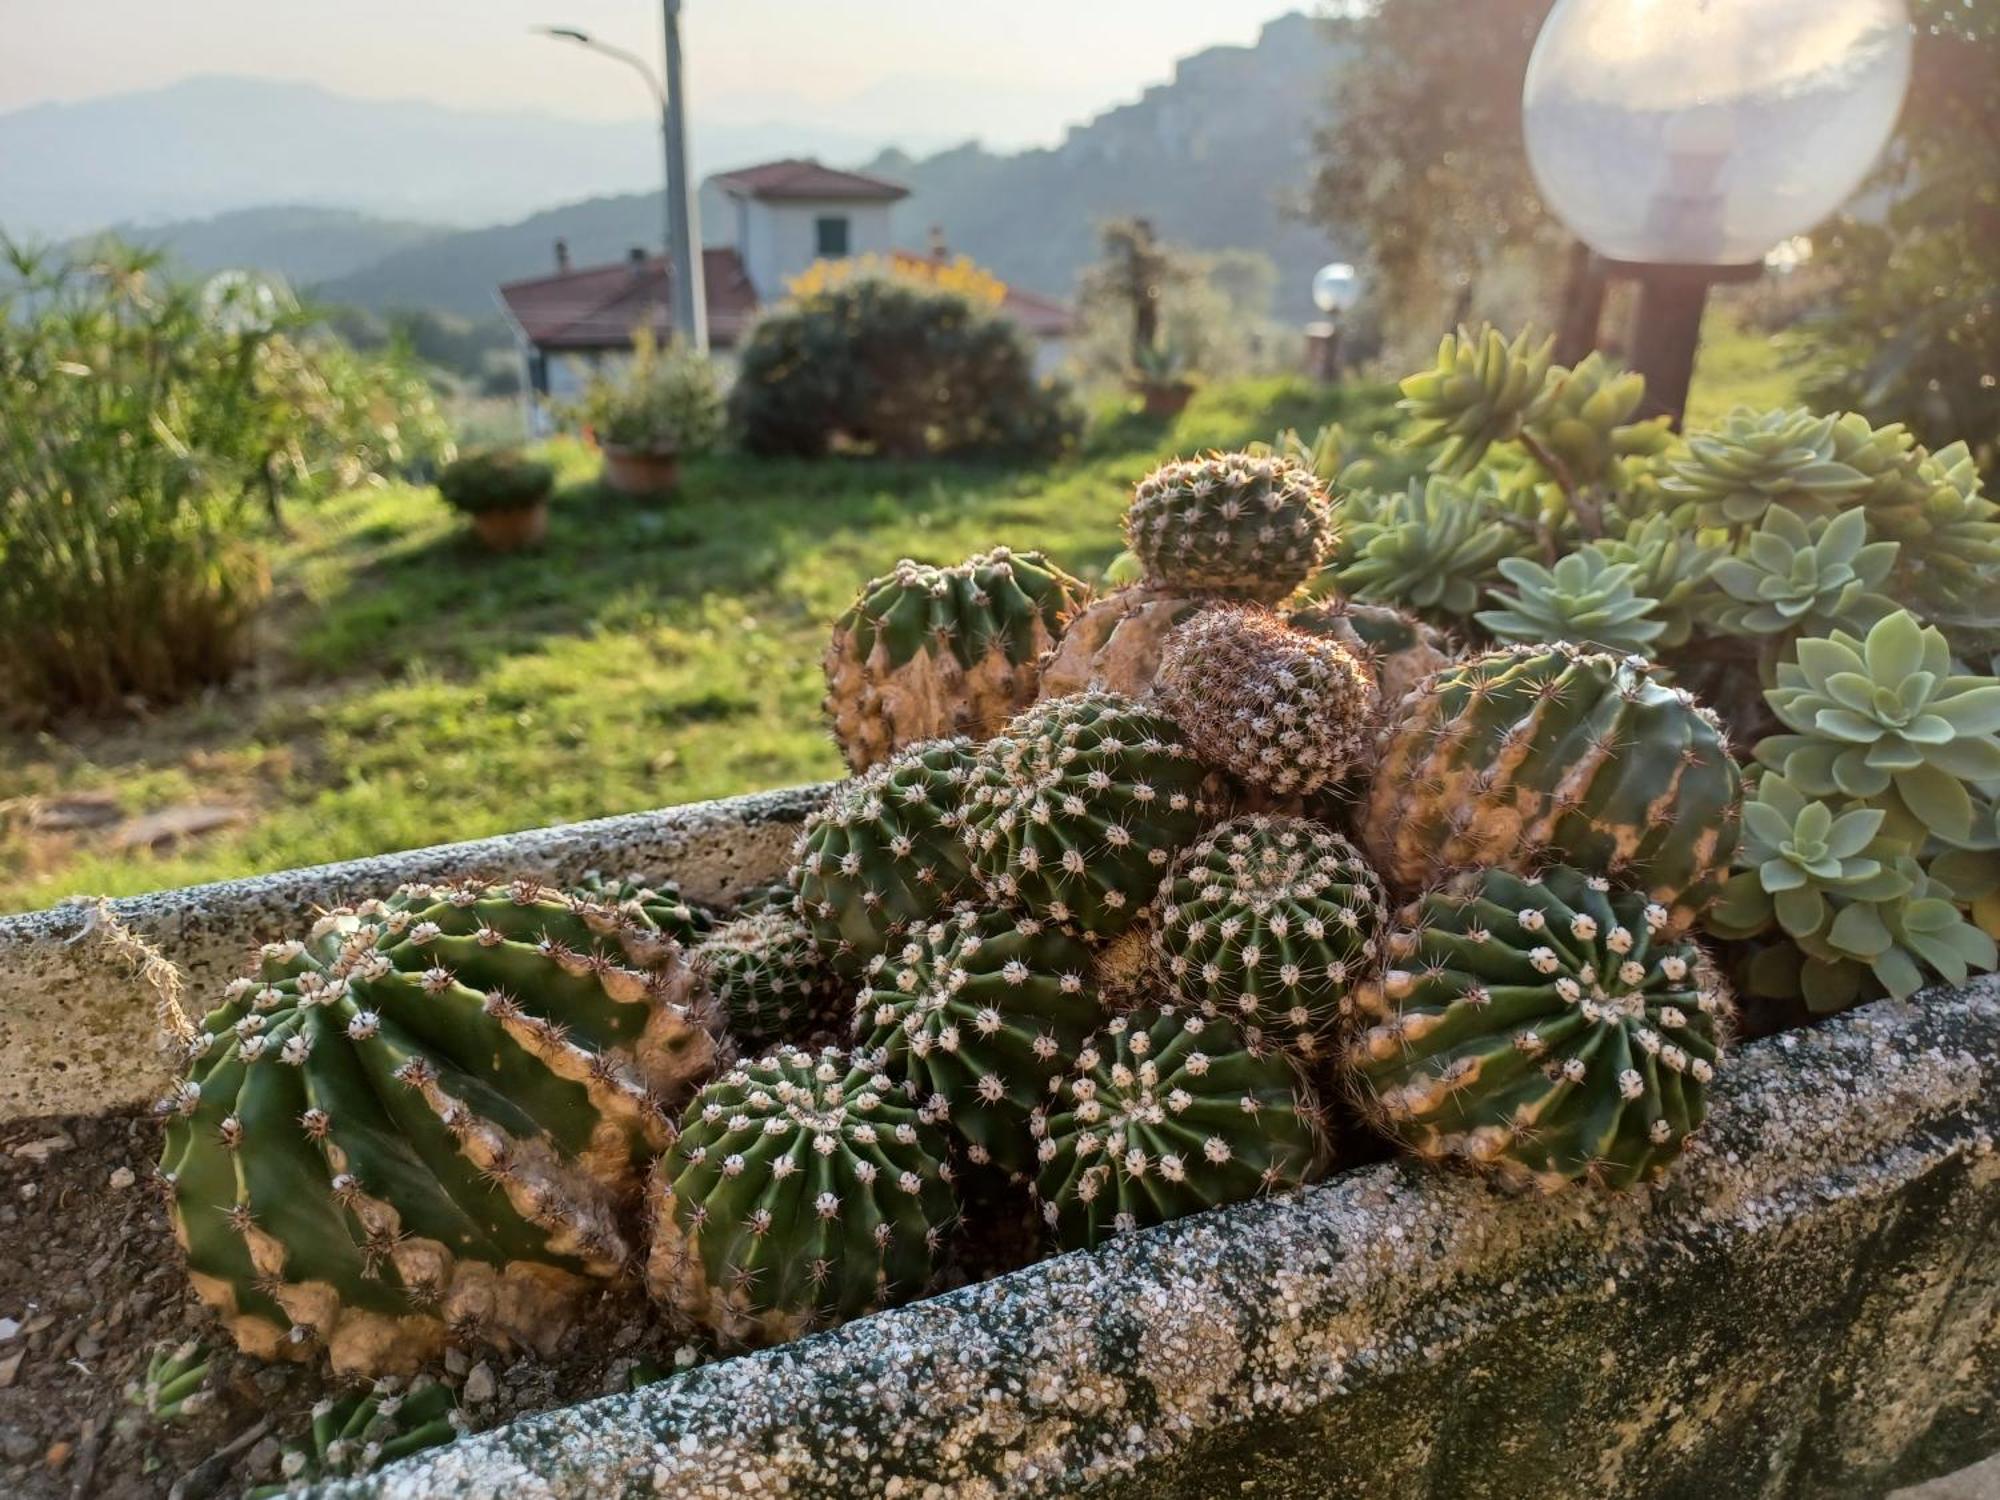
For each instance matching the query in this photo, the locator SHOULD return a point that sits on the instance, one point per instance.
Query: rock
(16, 1445)
(39, 1151)
(455, 1361)
(122, 1178)
(58, 1454)
(262, 1459)
(10, 1367)
(9, 1327)
(480, 1386)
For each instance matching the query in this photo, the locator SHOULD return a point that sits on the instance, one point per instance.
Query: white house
(785, 215)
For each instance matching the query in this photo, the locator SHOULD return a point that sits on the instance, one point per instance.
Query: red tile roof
(600, 307)
(804, 178)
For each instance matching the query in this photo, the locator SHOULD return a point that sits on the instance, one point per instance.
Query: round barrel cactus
(884, 853)
(770, 979)
(927, 653)
(428, 1117)
(977, 1012)
(803, 1189)
(1072, 814)
(1400, 649)
(1239, 525)
(1534, 754)
(1547, 1028)
(1269, 922)
(1166, 1112)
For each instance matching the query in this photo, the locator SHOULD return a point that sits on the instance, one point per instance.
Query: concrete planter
(1810, 1307)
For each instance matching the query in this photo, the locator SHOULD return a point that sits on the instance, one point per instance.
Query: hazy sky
(1013, 71)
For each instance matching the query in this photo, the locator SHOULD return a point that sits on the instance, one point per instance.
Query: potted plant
(506, 494)
(1160, 377)
(665, 404)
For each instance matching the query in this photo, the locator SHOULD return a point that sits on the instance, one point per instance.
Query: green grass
(1737, 366)
(415, 690)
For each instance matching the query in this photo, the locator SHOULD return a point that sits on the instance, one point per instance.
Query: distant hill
(302, 244)
(1211, 156)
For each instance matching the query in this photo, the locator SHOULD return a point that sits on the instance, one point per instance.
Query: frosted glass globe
(1704, 132)
(1336, 287)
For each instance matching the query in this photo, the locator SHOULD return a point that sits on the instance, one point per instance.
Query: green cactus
(1269, 921)
(771, 979)
(1237, 525)
(175, 1387)
(358, 1433)
(1800, 578)
(1431, 549)
(1731, 476)
(1542, 1027)
(1284, 712)
(1534, 753)
(802, 1190)
(1167, 1112)
(425, 1119)
(1397, 647)
(1886, 717)
(1584, 598)
(757, 900)
(978, 1012)
(885, 853)
(1075, 810)
(1482, 391)
(928, 653)
(654, 899)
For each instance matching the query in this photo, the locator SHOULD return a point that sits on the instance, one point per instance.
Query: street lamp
(1682, 140)
(690, 304)
(1336, 288)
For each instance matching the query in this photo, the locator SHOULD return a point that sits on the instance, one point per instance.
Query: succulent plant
(1268, 922)
(1166, 1112)
(1074, 811)
(1799, 578)
(885, 853)
(1397, 647)
(1237, 525)
(1545, 1028)
(1886, 714)
(928, 653)
(802, 1189)
(175, 1387)
(1584, 421)
(1481, 392)
(425, 1119)
(977, 1012)
(1584, 598)
(1799, 860)
(654, 899)
(1932, 506)
(771, 979)
(1731, 476)
(1116, 644)
(358, 1433)
(1670, 566)
(1431, 549)
(1537, 753)
(1282, 711)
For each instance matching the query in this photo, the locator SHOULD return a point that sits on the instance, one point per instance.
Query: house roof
(804, 178)
(601, 307)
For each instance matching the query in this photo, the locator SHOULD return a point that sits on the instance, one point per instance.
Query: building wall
(779, 239)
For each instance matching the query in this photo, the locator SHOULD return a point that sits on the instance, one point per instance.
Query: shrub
(495, 479)
(896, 367)
(665, 401)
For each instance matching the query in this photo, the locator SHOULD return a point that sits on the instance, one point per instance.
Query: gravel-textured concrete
(78, 1029)
(1809, 1307)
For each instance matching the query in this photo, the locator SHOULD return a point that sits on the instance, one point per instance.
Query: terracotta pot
(511, 530)
(1166, 400)
(641, 472)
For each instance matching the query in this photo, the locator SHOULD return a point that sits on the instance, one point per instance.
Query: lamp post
(683, 214)
(1336, 288)
(1683, 140)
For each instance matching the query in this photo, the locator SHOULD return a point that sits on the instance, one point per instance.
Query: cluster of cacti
(175, 1385)
(770, 978)
(929, 653)
(358, 1433)
(1398, 648)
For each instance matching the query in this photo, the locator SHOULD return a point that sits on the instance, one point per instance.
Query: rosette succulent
(1800, 578)
(1731, 475)
(1432, 549)
(1584, 598)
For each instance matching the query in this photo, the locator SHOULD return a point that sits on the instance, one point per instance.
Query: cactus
(1796, 578)
(1282, 711)
(358, 1433)
(1731, 476)
(175, 1387)
(757, 900)
(1166, 1112)
(771, 979)
(1431, 549)
(1268, 921)
(1073, 812)
(978, 1012)
(1116, 644)
(883, 854)
(425, 1119)
(1584, 598)
(652, 898)
(1397, 647)
(1534, 753)
(1543, 1027)
(1482, 391)
(928, 653)
(1237, 525)
(802, 1190)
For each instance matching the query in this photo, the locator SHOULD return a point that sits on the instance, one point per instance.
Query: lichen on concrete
(1809, 1306)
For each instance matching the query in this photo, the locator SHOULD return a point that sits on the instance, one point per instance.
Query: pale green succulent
(1799, 859)
(1586, 422)
(1431, 548)
(1887, 714)
(1479, 393)
(1950, 565)
(1670, 565)
(1756, 460)
(1584, 599)
(1796, 578)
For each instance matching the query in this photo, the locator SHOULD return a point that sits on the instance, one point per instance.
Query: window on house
(830, 236)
